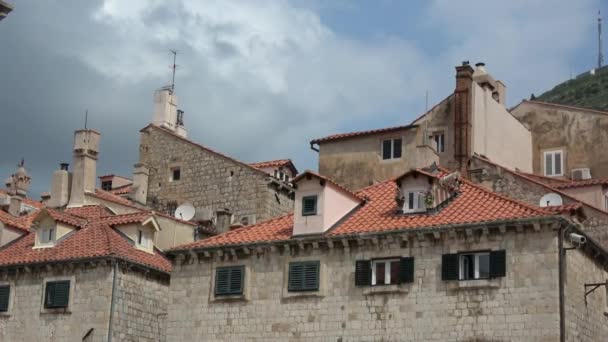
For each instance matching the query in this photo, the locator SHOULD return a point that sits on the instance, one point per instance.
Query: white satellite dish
(185, 212)
(551, 199)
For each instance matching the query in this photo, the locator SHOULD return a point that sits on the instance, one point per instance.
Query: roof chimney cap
(464, 63)
(64, 166)
(480, 64)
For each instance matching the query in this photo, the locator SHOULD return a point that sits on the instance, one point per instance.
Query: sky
(259, 79)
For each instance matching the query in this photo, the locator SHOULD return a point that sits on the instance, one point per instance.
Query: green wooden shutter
(303, 276)
(229, 280)
(406, 270)
(363, 273)
(5, 293)
(449, 267)
(498, 261)
(57, 294)
(309, 205)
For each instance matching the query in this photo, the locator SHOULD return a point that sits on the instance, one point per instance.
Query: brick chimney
(86, 150)
(462, 114)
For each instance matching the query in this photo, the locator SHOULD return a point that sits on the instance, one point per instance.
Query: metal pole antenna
(600, 56)
(174, 52)
(86, 118)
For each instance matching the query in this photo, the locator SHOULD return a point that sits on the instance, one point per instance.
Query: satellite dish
(551, 199)
(185, 212)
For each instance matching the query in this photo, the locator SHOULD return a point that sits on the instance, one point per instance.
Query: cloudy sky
(259, 79)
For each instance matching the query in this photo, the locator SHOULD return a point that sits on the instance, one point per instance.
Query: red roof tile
(108, 196)
(27, 201)
(127, 218)
(581, 183)
(341, 136)
(22, 222)
(90, 211)
(95, 239)
(275, 163)
(566, 208)
(122, 190)
(65, 217)
(314, 174)
(379, 213)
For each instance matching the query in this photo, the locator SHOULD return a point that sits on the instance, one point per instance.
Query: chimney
(462, 114)
(140, 183)
(501, 89)
(86, 150)
(15, 207)
(180, 129)
(224, 217)
(45, 197)
(60, 187)
(483, 78)
(165, 108)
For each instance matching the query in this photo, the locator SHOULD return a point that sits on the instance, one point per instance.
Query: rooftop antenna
(174, 66)
(600, 56)
(426, 106)
(86, 118)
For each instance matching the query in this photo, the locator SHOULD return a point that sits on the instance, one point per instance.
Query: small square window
(391, 149)
(57, 294)
(176, 174)
(106, 185)
(229, 280)
(303, 276)
(414, 202)
(309, 205)
(474, 266)
(438, 140)
(554, 163)
(385, 272)
(46, 236)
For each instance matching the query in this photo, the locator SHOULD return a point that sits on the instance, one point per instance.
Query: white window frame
(419, 205)
(143, 239)
(392, 157)
(41, 232)
(606, 201)
(553, 153)
(461, 268)
(437, 143)
(387, 270)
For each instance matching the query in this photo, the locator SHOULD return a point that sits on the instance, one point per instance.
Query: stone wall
(90, 306)
(521, 306)
(580, 133)
(585, 322)
(140, 307)
(208, 180)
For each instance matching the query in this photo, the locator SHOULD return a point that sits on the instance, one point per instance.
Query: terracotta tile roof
(122, 190)
(581, 183)
(566, 208)
(275, 163)
(66, 217)
(108, 196)
(544, 179)
(22, 222)
(342, 136)
(314, 174)
(379, 213)
(28, 201)
(90, 211)
(126, 218)
(96, 239)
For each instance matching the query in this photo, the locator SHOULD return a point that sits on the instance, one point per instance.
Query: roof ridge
(507, 198)
(594, 111)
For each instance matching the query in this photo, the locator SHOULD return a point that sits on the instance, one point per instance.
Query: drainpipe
(113, 301)
(561, 260)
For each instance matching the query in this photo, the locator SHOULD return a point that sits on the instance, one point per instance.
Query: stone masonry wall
(140, 307)
(585, 322)
(90, 306)
(207, 179)
(523, 306)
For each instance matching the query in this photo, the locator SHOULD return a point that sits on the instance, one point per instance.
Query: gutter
(312, 147)
(113, 301)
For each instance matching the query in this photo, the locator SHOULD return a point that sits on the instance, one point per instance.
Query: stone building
(473, 119)
(174, 170)
(567, 142)
(426, 256)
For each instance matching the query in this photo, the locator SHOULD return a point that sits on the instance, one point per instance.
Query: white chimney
(165, 108)
(15, 207)
(86, 150)
(482, 77)
(140, 183)
(60, 187)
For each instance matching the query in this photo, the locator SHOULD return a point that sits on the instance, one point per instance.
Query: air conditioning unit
(581, 174)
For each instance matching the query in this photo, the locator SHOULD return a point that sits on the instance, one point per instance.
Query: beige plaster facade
(579, 133)
(522, 306)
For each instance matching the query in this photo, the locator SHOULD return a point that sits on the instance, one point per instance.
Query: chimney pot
(64, 166)
(465, 63)
(480, 64)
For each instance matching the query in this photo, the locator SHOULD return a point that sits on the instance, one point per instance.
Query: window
(5, 295)
(606, 201)
(229, 280)
(473, 265)
(438, 140)
(554, 163)
(57, 294)
(391, 149)
(384, 271)
(144, 239)
(309, 205)
(414, 201)
(46, 236)
(303, 276)
(106, 185)
(176, 174)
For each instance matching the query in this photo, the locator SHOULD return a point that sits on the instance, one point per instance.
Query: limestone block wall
(522, 306)
(140, 307)
(208, 180)
(89, 308)
(585, 322)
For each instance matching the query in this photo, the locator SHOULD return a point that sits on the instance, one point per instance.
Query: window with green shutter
(229, 280)
(303, 276)
(473, 265)
(57, 294)
(5, 295)
(309, 205)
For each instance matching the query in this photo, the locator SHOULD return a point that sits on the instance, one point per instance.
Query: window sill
(5, 314)
(229, 298)
(474, 284)
(54, 311)
(302, 295)
(385, 289)
(392, 160)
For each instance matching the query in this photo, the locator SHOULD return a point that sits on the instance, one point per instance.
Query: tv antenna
(173, 67)
(86, 118)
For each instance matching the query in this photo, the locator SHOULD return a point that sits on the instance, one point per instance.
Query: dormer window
(46, 236)
(414, 201)
(309, 205)
(144, 239)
